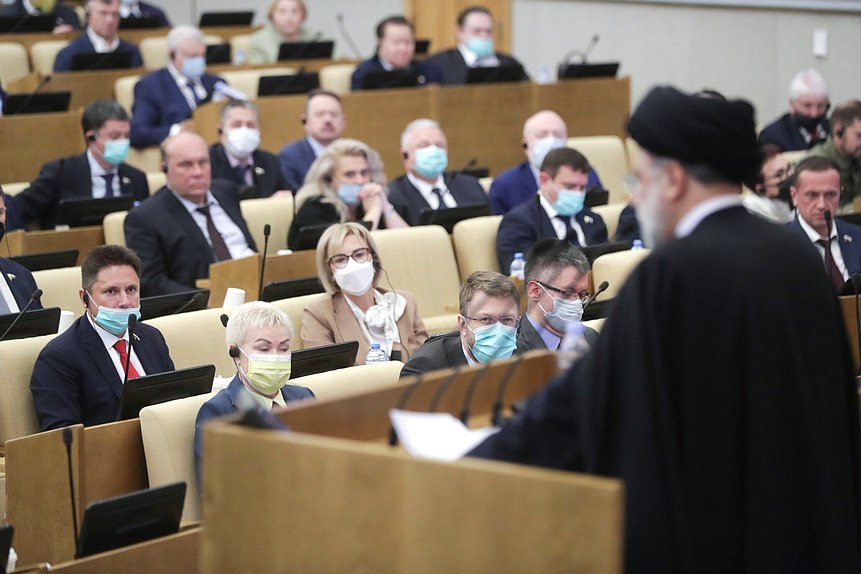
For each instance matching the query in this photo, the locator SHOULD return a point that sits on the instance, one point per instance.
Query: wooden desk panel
(28, 141)
(596, 107)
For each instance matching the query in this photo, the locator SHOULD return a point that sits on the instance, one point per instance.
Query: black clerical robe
(721, 391)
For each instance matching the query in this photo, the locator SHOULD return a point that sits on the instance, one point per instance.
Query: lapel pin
(847, 238)
(126, 181)
(11, 276)
(259, 170)
(588, 219)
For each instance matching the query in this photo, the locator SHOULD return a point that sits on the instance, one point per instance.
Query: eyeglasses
(360, 255)
(570, 295)
(485, 321)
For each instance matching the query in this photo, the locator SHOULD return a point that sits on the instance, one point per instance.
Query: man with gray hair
(806, 122)
(99, 37)
(426, 186)
(166, 98)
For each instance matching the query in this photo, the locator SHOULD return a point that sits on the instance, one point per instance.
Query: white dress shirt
(472, 60)
(559, 226)
(230, 232)
(101, 45)
(6, 295)
(316, 146)
(98, 182)
(236, 162)
(425, 189)
(109, 340)
(814, 236)
(187, 87)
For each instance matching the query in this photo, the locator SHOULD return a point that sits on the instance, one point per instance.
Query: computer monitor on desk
(42, 103)
(321, 359)
(306, 50)
(449, 216)
(495, 74)
(31, 324)
(384, 79)
(103, 61)
(239, 18)
(47, 260)
(287, 85)
(27, 23)
(88, 211)
(163, 387)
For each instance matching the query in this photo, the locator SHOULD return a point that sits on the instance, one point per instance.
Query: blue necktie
(109, 184)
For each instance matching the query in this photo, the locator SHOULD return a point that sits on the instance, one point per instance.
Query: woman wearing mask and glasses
(345, 183)
(355, 309)
(258, 341)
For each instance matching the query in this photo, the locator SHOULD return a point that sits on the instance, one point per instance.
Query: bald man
(189, 223)
(542, 132)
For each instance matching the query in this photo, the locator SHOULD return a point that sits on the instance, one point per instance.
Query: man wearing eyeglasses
(557, 211)
(815, 190)
(487, 327)
(557, 281)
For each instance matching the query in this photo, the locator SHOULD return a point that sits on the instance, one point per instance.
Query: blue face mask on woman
(349, 193)
(493, 342)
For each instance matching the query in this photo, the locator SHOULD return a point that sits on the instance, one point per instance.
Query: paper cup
(66, 320)
(234, 297)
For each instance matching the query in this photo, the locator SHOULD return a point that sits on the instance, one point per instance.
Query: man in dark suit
(66, 17)
(324, 121)
(487, 327)
(237, 158)
(166, 98)
(557, 287)
(16, 284)
(474, 48)
(396, 46)
(806, 123)
(556, 211)
(542, 132)
(131, 9)
(100, 36)
(815, 190)
(425, 185)
(100, 172)
(189, 224)
(723, 369)
(78, 377)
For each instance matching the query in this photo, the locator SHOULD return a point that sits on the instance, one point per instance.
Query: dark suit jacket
(22, 285)
(150, 11)
(438, 352)
(158, 105)
(454, 68)
(521, 227)
(528, 338)
(849, 239)
(74, 380)
(628, 228)
(227, 401)
(785, 133)
(409, 203)
(83, 45)
(64, 14)
(67, 178)
(428, 73)
(267, 172)
(517, 185)
(173, 251)
(295, 159)
(14, 220)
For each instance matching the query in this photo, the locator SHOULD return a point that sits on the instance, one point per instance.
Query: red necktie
(120, 346)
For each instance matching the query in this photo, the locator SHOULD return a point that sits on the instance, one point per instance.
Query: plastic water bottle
(517, 266)
(572, 347)
(376, 355)
(637, 245)
(239, 57)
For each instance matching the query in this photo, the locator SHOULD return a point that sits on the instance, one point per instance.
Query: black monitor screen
(449, 216)
(384, 79)
(88, 211)
(306, 50)
(31, 324)
(321, 359)
(27, 23)
(43, 103)
(155, 389)
(218, 54)
(575, 71)
(278, 290)
(592, 252)
(491, 75)
(103, 61)
(134, 23)
(243, 18)
(47, 260)
(173, 303)
(287, 85)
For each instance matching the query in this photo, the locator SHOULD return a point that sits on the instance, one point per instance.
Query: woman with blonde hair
(345, 183)
(286, 19)
(355, 308)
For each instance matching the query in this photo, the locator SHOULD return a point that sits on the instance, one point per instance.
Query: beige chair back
(196, 338)
(475, 244)
(614, 268)
(631, 149)
(113, 225)
(168, 440)
(147, 159)
(124, 91)
(155, 180)
(13, 62)
(43, 54)
(17, 413)
(294, 306)
(247, 81)
(352, 380)
(610, 214)
(276, 211)
(240, 46)
(15, 188)
(606, 154)
(336, 77)
(60, 288)
(155, 54)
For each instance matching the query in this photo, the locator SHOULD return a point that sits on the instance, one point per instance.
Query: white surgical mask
(563, 312)
(540, 148)
(242, 141)
(355, 278)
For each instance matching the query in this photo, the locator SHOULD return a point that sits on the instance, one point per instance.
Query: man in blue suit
(100, 36)
(555, 211)
(815, 191)
(542, 132)
(78, 377)
(166, 98)
(324, 122)
(258, 335)
(16, 284)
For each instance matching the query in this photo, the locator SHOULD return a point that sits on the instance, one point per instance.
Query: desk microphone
(133, 321)
(402, 402)
(601, 288)
(34, 297)
(23, 105)
(267, 229)
(194, 299)
(346, 35)
(470, 389)
(584, 55)
(496, 418)
(67, 440)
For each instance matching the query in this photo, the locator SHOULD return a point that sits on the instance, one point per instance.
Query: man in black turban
(720, 389)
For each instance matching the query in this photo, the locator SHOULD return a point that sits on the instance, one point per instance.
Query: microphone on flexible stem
(584, 55)
(470, 389)
(402, 402)
(346, 35)
(267, 229)
(468, 165)
(827, 215)
(601, 288)
(133, 321)
(498, 404)
(23, 105)
(194, 299)
(67, 440)
(441, 389)
(34, 297)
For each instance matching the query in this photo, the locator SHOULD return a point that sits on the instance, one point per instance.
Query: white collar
(316, 146)
(101, 44)
(812, 233)
(548, 207)
(703, 209)
(108, 339)
(96, 168)
(264, 402)
(190, 205)
(425, 187)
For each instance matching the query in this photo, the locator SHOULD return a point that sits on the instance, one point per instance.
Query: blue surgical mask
(569, 203)
(349, 193)
(194, 67)
(431, 161)
(115, 321)
(481, 47)
(493, 342)
(116, 151)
